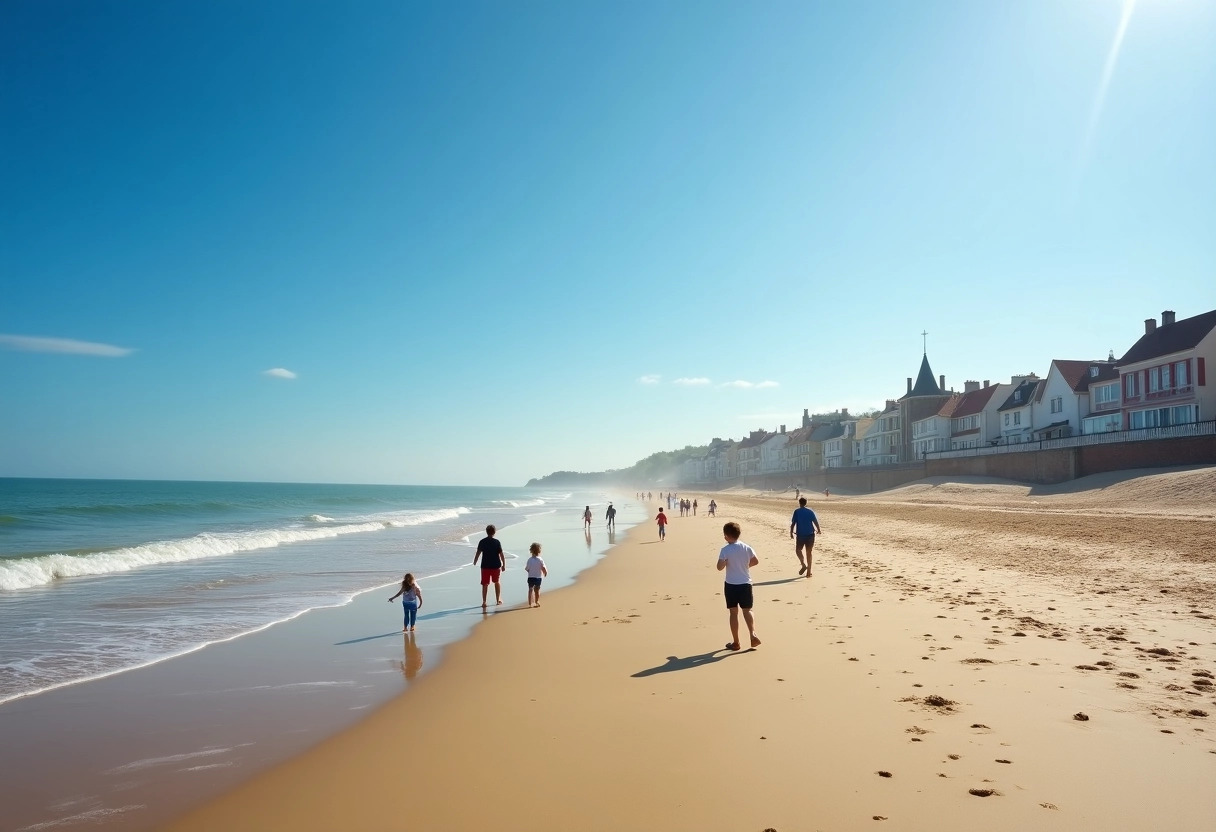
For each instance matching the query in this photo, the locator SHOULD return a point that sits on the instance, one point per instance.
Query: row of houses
(1161, 381)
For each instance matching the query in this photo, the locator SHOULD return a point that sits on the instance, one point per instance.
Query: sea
(181, 636)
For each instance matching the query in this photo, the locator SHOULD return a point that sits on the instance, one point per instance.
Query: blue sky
(486, 241)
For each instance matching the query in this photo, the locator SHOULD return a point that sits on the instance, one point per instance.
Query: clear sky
(462, 242)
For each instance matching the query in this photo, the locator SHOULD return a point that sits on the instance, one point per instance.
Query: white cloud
(279, 372)
(27, 343)
(650, 379)
(691, 382)
(740, 384)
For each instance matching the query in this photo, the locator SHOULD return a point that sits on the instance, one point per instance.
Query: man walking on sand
(806, 525)
(610, 516)
(492, 564)
(737, 559)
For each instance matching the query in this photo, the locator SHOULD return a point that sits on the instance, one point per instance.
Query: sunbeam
(1112, 59)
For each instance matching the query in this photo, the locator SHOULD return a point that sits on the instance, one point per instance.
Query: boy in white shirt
(535, 567)
(736, 559)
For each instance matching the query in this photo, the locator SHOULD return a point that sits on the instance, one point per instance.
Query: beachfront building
(1164, 375)
(798, 449)
(820, 436)
(932, 433)
(880, 445)
(772, 457)
(1016, 411)
(922, 401)
(975, 420)
(749, 453)
(1062, 400)
(1105, 402)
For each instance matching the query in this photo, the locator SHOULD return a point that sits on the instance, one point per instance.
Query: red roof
(971, 403)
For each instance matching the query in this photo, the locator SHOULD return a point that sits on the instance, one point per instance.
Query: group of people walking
(735, 559)
(493, 564)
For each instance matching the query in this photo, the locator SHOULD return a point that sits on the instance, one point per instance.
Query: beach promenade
(965, 656)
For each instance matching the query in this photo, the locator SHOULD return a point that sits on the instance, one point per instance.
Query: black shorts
(534, 582)
(738, 595)
(805, 541)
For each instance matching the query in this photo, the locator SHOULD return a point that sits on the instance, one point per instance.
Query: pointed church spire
(926, 384)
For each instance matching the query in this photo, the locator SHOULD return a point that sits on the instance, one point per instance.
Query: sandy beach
(976, 655)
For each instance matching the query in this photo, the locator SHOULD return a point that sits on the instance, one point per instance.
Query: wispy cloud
(650, 379)
(740, 384)
(65, 346)
(279, 372)
(691, 382)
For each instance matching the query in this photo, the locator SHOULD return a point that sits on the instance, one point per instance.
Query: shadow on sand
(674, 663)
(430, 616)
(779, 581)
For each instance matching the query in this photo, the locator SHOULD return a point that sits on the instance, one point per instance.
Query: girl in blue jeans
(411, 600)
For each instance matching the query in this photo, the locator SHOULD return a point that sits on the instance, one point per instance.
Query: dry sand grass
(933, 674)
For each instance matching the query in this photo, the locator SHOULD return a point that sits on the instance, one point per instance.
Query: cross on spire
(924, 338)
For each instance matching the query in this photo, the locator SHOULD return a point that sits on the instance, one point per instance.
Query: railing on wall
(1135, 435)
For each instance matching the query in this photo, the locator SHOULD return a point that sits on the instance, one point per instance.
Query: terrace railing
(1135, 435)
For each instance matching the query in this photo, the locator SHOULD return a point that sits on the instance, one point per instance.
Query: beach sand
(931, 675)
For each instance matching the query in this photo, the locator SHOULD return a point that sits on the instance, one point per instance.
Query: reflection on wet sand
(413, 657)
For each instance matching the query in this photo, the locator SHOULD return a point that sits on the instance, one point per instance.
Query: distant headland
(661, 467)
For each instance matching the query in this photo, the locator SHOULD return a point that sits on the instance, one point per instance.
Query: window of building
(1006, 420)
(1131, 385)
(1106, 394)
(1181, 373)
(1057, 404)
(1017, 418)
(1163, 417)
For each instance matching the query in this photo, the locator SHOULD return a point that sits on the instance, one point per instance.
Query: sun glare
(1108, 71)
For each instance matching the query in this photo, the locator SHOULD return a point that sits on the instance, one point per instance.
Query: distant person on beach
(806, 525)
(713, 507)
(587, 517)
(737, 559)
(493, 562)
(694, 508)
(535, 567)
(610, 516)
(662, 521)
(411, 600)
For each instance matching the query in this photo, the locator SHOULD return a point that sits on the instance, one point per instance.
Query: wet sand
(966, 655)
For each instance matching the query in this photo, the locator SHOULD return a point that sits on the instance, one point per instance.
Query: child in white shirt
(736, 559)
(535, 567)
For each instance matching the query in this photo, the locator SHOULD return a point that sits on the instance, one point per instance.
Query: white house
(1016, 411)
(1062, 400)
(975, 421)
(880, 446)
(932, 433)
(772, 458)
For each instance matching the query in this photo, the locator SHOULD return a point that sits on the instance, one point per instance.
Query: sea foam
(39, 570)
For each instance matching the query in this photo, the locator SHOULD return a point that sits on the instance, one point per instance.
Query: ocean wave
(519, 503)
(318, 518)
(39, 570)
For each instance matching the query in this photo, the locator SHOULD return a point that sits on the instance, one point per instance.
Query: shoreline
(149, 743)
(920, 649)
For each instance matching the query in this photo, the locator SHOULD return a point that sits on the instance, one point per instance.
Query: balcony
(1158, 395)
